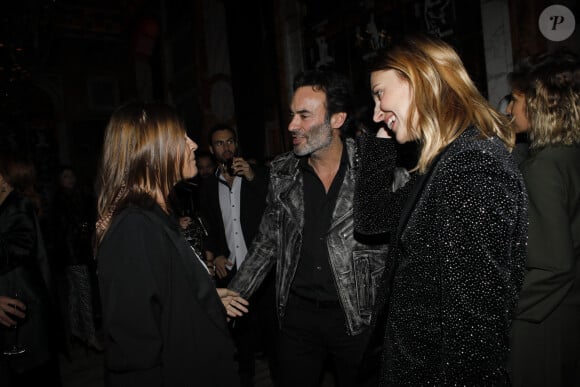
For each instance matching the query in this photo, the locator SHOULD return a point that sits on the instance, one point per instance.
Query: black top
(163, 321)
(313, 277)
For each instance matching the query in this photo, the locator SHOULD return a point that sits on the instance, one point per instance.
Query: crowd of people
(463, 269)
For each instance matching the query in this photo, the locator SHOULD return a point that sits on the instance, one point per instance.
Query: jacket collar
(287, 178)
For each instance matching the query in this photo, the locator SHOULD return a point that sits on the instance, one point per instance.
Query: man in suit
(232, 203)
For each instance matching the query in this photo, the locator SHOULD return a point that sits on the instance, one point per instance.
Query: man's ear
(211, 150)
(337, 120)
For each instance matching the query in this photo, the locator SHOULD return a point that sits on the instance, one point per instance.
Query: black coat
(163, 321)
(23, 264)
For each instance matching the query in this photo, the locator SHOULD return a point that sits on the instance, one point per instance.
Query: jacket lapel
(199, 280)
(417, 193)
(291, 195)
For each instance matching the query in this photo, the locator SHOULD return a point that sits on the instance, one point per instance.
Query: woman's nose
(378, 114)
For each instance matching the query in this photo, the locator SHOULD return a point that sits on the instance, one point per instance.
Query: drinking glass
(13, 347)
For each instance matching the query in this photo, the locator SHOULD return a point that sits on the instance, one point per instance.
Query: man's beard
(319, 136)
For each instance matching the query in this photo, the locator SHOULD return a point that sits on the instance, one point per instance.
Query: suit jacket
(552, 176)
(252, 202)
(164, 323)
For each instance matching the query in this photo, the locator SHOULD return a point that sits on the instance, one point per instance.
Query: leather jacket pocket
(369, 266)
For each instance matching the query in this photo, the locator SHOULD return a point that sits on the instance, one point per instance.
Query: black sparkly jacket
(458, 263)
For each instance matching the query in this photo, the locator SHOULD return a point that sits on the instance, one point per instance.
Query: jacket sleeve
(479, 234)
(132, 302)
(210, 211)
(381, 188)
(261, 254)
(17, 238)
(550, 263)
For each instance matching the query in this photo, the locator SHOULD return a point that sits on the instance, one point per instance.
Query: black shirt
(314, 279)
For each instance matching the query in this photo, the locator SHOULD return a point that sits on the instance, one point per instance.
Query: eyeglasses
(219, 144)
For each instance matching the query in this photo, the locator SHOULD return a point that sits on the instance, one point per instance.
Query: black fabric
(23, 265)
(163, 321)
(313, 278)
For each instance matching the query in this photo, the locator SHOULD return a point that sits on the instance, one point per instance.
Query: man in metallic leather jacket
(326, 280)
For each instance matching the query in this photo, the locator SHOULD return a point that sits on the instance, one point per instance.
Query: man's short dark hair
(335, 86)
(219, 127)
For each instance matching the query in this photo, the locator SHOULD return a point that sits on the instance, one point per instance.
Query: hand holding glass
(16, 314)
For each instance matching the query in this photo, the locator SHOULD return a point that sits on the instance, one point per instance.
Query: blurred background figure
(205, 164)
(24, 269)
(73, 219)
(546, 328)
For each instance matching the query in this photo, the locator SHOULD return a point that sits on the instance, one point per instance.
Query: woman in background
(163, 320)
(73, 225)
(456, 262)
(24, 266)
(546, 328)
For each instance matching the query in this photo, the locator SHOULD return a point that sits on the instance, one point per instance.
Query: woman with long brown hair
(163, 320)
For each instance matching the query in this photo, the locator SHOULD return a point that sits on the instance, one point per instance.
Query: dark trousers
(245, 340)
(312, 334)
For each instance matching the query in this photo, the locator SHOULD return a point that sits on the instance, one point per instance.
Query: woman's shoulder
(18, 203)
(551, 160)
(136, 221)
(474, 151)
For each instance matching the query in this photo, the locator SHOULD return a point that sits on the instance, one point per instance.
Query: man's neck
(326, 161)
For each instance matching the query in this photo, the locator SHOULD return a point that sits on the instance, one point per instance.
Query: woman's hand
(235, 305)
(11, 306)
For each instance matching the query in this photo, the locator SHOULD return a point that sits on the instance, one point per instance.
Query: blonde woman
(163, 320)
(456, 261)
(545, 334)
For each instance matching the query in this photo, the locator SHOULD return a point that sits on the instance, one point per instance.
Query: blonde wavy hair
(553, 100)
(142, 159)
(445, 100)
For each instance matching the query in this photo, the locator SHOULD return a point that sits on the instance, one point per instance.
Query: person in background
(233, 203)
(24, 268)
(456, 263)
(326, 280)
(73, 218)
(163, 321)
(546, 326)
(205, 164)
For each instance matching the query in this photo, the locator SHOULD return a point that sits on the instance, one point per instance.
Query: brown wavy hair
(445, 100)
(552, 95)
(142, 159)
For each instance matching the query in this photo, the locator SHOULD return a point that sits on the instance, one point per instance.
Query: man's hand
(221, 263)
(242, 168)
(10, 306)
(184, 222)
(235, 305)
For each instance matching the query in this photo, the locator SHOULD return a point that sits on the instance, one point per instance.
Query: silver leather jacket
(357, 268)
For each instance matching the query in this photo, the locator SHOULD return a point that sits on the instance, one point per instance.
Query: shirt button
(318, 268)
